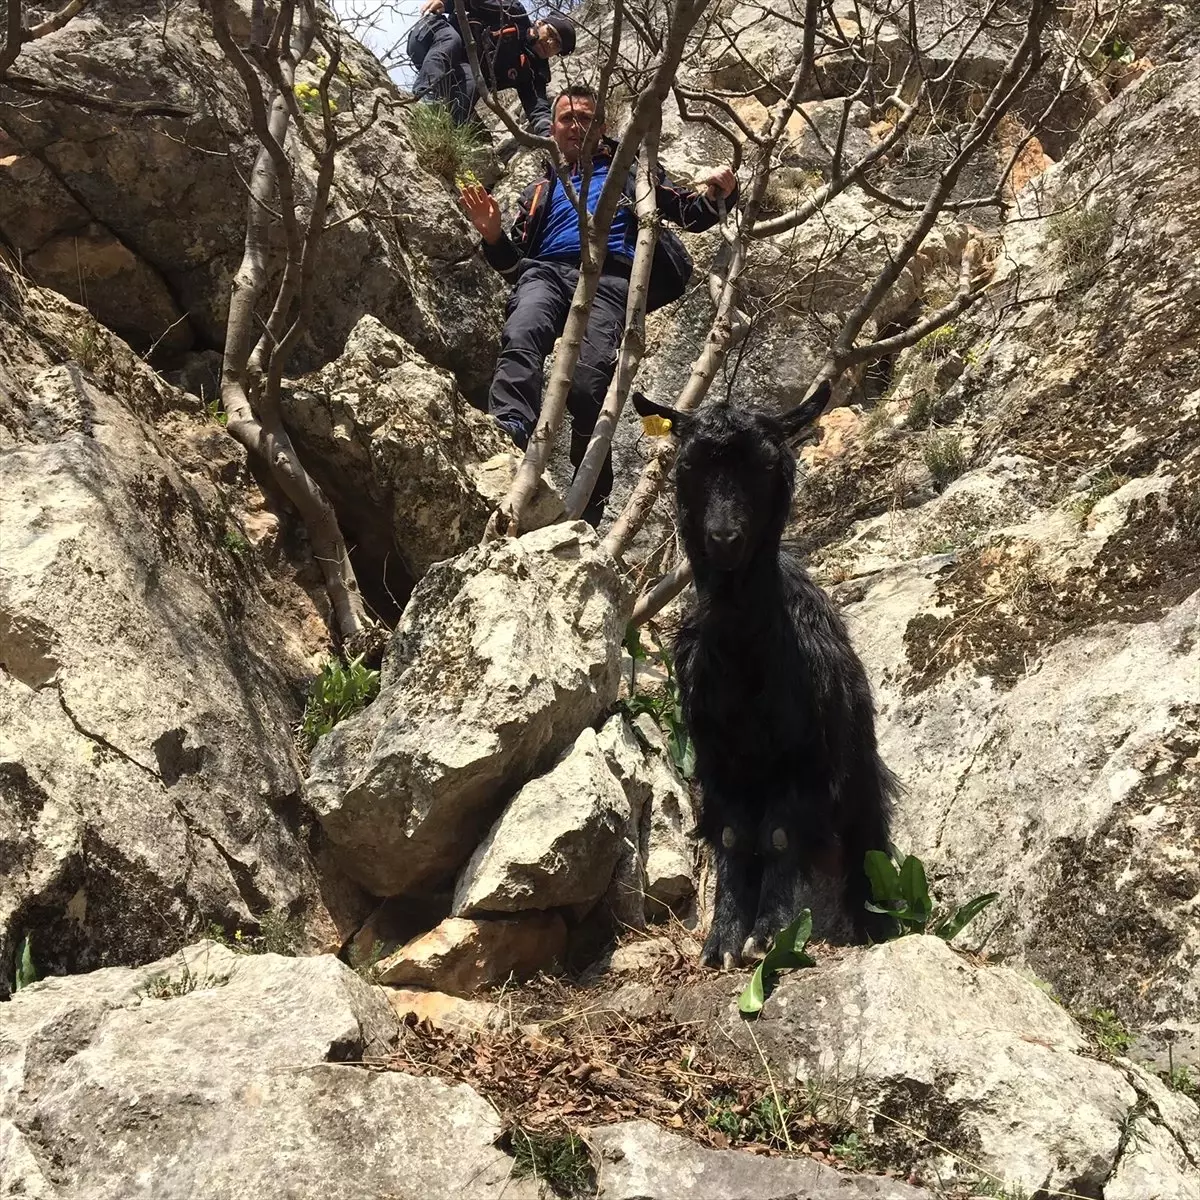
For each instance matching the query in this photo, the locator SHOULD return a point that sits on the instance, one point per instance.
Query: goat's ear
(645, 407)
(807, 411)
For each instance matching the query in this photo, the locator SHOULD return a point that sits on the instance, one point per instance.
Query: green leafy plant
(215, 411)
(1107, 1030)
(853, 1151)
(1114, 51)
(235, 542)
(787, 950)
(441, 146)
(665, 705)
(26, 972)
(1180, 1079)
(938, 344)
(559, 1159)
(365, 963)
(308, 97)
(338, 691)
(277, 934)
(944, 457)
(902, 892)
(724, 1114)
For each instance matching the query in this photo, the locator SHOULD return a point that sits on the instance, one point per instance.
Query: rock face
(147, 214)
(148, 779)
(556, 843)
(391, 437)
(216, 1075)
(503, 656)
(640, 1161)
(1032, 633)
(915, 1033)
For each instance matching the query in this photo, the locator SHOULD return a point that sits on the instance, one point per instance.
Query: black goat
(777, 702)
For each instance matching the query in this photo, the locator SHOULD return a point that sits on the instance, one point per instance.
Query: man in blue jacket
(514, 52)
(541, 256)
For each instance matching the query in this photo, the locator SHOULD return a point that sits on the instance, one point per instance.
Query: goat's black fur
(777, 702)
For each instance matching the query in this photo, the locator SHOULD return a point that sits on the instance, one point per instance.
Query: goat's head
(734, 475)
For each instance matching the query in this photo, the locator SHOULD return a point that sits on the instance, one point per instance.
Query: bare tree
(900, 85)
(260, 337)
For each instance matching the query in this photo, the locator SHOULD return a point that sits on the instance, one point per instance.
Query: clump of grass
(277, 934)
(338, 692)
(1107, 482)
(442, 147)
(927, 405)
(1081, 236)
(560, 1160)
(1107, 1030)
(235, 542)
(169, 986)
(1181, 1080)
(944, 457)
(365, 964)
(938, 344)
(85, 345)
(876, 421)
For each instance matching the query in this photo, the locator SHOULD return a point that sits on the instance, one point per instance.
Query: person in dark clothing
(514, 52)
(541, 256)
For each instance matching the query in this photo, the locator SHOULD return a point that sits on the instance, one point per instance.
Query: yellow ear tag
(656, 426)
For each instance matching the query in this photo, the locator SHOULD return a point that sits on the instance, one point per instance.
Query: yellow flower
(656, 426)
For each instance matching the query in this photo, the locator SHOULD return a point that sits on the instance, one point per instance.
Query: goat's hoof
(755, 948)
(721, 952)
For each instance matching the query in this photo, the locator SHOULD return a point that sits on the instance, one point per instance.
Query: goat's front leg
(779, 844)
(739, 872)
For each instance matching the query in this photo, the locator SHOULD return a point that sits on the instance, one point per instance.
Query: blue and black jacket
(672, 268)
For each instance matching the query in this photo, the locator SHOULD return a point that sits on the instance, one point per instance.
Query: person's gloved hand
(483, 211)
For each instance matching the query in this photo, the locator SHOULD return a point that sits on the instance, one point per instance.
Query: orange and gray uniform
(502, 37)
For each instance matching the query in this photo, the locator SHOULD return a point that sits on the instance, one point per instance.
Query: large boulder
(215, 1075)
(143, 218)
(461, 956)
(985, 1069)
(640, 1161)
(555, 844)
(1032, 633)
(504, 655)
(402, 456)
(148, 778)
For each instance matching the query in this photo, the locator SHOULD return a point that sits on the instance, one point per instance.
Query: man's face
(574, 126)
(546, 44)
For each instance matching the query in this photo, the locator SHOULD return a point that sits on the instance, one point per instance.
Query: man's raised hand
(719, 184)
(483, 211)
(433, 6)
